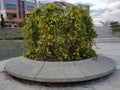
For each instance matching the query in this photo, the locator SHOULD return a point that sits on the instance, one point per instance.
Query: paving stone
(94, 69)
(60, 72)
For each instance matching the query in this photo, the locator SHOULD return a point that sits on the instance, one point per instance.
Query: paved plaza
(110, 82)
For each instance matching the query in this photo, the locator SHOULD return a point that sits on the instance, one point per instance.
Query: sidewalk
(111, 82)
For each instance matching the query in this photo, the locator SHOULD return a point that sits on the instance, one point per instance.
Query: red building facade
(16, 10)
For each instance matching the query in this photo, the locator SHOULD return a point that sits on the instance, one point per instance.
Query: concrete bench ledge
(44, 71)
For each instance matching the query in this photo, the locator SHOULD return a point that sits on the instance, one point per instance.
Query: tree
(115, 23)
(59, 33)
(105, 23)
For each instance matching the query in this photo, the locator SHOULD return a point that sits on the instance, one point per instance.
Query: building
(30, 6)
(15, 10)
(41, 3)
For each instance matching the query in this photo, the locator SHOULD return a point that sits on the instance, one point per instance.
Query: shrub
(59, 33)
(115, 26)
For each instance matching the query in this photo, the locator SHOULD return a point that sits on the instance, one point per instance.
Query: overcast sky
(100, 10)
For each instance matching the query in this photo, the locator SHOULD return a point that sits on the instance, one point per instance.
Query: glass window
(11, 15)
(11, 6)
(30, 8)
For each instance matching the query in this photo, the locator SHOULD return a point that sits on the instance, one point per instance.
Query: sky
(100, 10)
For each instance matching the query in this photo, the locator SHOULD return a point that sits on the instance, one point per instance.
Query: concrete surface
(107, 40)
(2, 64)
(103, 32)
(110, 82)
(73, 71)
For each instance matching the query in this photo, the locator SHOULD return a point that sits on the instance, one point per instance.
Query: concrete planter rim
(73, 71)
(91, 58)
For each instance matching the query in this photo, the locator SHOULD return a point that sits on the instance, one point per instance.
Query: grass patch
(11, 48)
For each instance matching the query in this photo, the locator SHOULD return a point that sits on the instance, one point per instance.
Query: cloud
(114, 5)
(106, 10)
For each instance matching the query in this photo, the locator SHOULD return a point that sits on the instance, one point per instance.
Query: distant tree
(2, 21)
(114, 23)
(105, 23)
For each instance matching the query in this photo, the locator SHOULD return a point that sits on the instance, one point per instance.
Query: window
(30, 8)
(11, 15)
(11, 6)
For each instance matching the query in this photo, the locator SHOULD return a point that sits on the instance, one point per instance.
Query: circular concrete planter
(43, 71)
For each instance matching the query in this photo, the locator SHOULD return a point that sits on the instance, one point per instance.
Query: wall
(10, 33)
(116, 34)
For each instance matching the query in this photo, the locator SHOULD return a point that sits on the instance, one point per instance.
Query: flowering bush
(59, 33)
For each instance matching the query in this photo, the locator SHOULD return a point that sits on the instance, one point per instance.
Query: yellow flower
(73, 53)
(39, 42)
(43, 36)
(65, 55)
(60, 48)
(84, 8)
(49, 43)
(71, 14)
(78, 54)
(37, 49)
(60, 59)
(50, 36)
(47, 49)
